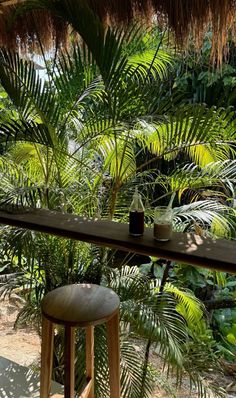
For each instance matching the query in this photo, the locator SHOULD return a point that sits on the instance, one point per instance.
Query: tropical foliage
(102, 119)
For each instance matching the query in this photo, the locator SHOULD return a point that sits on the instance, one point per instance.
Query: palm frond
(192, 127)
(119, 158)
(188, 305)
(204, 212)
(211, 177)
(20, 130)
(151, 64)
(151, 316)
(25, 88)
(131, 372)
(127, 282)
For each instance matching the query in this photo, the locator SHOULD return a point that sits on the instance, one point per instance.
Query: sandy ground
(20, 346)
(23, 347)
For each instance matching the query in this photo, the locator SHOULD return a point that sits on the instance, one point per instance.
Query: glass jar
(163, 217)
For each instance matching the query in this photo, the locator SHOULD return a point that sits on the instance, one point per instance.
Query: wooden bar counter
(187, 248)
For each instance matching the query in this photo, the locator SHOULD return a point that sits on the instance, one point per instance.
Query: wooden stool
(85, 306)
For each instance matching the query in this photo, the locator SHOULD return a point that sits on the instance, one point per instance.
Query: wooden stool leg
(46, 357)
(90, 358)
(113, 342)
(69, 361)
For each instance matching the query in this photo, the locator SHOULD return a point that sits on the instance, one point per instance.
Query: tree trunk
(217, 304)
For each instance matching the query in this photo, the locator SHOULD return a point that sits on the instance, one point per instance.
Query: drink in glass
(163, 217)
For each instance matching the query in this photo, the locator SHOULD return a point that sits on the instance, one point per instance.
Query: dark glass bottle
(136, 215)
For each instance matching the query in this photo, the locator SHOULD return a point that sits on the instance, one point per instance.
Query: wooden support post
(90, 358)
(69, 361)
(113, 342)
(46, 357)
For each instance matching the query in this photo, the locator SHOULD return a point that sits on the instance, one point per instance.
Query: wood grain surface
(187, 248)
(80, 305)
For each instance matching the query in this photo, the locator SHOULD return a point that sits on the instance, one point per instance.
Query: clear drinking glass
(163, 217)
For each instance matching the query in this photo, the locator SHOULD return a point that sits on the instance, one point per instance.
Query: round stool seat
(80, 305)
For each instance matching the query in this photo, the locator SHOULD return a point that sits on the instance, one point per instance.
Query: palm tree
(76, 145)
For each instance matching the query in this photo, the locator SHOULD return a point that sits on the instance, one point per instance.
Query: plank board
(187, 248)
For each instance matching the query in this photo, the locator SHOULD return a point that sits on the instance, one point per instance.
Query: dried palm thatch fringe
(29, 28)
(182, 16)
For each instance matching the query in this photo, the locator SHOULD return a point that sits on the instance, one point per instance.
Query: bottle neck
(137, 204)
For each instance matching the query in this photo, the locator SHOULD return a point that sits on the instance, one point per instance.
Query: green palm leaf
(188, 305)
(27, 91)
(191, 128)
(204, 213)
(151, 316)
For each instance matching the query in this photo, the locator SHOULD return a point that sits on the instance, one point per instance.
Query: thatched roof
(182, 16)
